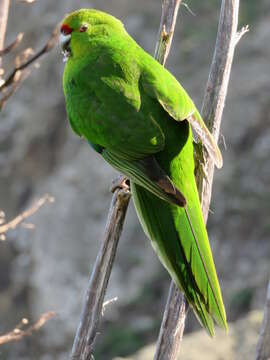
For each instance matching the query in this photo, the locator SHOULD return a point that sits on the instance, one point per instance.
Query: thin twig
(11, 225)
(53, 40)
(83, 345)
(215, 94)
(18, 334)
(12, 45)
(263, 346)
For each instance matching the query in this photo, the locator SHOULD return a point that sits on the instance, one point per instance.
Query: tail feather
(220, 314)
(186, 262)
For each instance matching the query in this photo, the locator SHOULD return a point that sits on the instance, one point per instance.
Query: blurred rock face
(47, 268)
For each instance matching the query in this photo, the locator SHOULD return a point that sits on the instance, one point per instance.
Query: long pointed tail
(187, 257)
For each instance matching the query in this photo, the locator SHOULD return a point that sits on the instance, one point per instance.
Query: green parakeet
(138, 117)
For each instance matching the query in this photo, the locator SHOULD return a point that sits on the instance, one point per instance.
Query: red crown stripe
(66, 29)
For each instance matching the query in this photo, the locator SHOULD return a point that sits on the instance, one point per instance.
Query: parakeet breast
(105, 103)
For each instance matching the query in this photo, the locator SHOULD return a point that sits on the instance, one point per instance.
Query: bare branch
(19, 77)
(212, 109)
(170, 336)
(106, 303)
(13, 45)
(18, 334)
(240, 33)
(4, 7)
(263, 346)
(216, 90)
(26, 214)
(94, 302)
(166, 29)
(46, 48)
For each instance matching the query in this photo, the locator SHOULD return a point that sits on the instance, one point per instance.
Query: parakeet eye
(66, 29)
(83, 28)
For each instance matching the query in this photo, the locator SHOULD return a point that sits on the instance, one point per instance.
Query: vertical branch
(4, 7)
(227, 37)
(263, 346)
(166, 29)
(216, 90)
(173, 325)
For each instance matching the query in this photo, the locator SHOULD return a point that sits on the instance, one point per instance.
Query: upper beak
(64, 41)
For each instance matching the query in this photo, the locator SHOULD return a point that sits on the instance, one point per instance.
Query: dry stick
(166, 29)
(11, 225)
(12, 45)
(18, 334)
(216, 89)
(21, 71)
(4, 7)
(50, 44)
(263, 346)
(93, 305)
(86, 333)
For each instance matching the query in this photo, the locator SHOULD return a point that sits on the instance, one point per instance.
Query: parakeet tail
(182, 257)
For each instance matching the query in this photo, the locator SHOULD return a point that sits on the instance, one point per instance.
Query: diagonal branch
(216, 90)
(22, 70)
(83, 345)
(212, 109)
(50, 44)
(12, 45)
(11, 225)
(18, 334)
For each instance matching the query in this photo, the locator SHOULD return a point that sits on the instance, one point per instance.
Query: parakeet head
(83, 25)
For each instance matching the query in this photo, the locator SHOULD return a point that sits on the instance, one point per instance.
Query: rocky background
(47, 268)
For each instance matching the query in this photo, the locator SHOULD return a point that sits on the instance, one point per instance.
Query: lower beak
(64, 41)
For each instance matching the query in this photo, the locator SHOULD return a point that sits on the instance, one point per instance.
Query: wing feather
(162, 85)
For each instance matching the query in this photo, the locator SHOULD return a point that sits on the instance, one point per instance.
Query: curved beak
(64, 41)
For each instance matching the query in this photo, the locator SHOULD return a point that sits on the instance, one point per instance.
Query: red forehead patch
(66, 29)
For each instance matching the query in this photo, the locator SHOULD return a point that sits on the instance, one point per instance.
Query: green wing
(162, 85)
(177, 233)
(146, 173)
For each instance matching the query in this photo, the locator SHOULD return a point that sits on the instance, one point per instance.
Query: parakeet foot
(121, 182)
